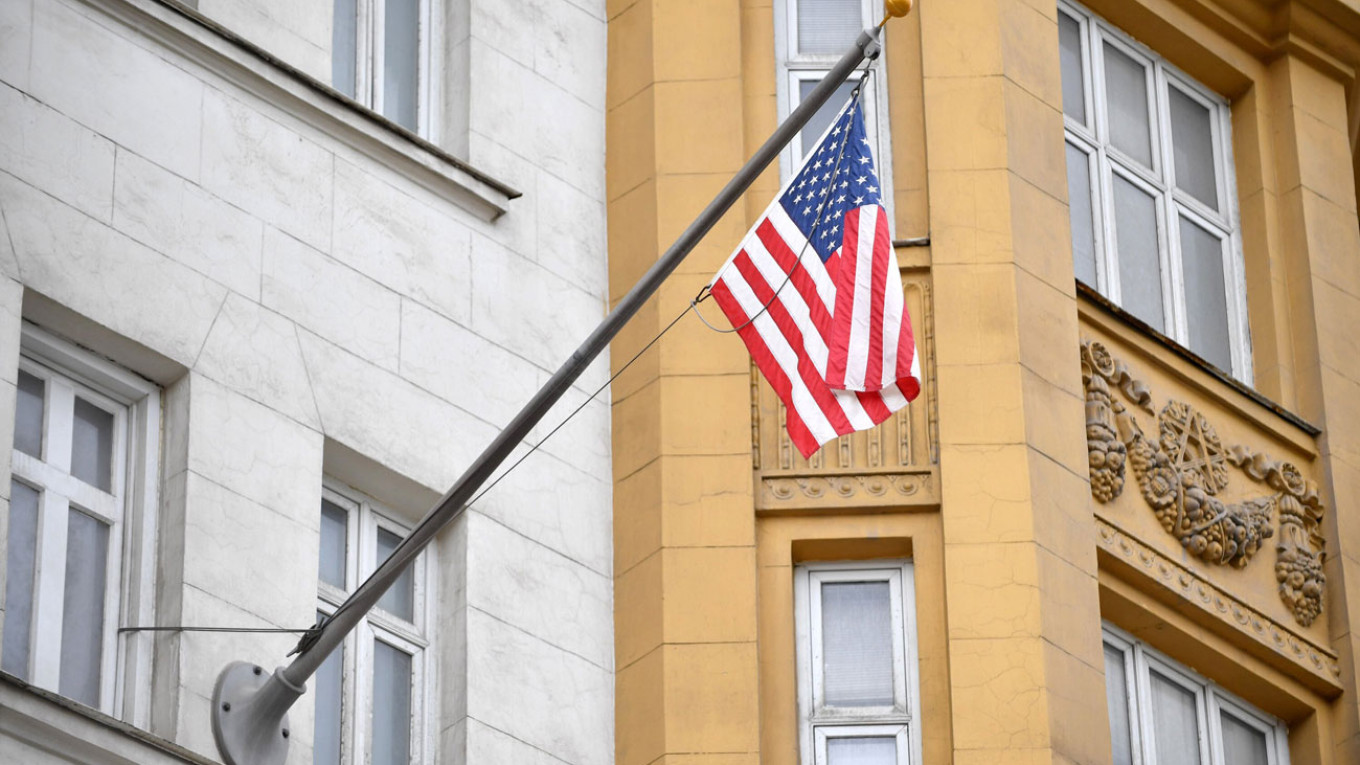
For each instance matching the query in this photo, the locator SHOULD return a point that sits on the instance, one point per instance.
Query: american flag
(835, 341)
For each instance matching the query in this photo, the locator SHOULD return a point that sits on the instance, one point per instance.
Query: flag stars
(859, 200)
(860, 179)
(864, 160)
(873, 189)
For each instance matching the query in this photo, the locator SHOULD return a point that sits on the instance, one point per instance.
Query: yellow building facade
(1077, 513)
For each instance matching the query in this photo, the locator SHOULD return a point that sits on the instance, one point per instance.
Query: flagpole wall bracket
(250, 714)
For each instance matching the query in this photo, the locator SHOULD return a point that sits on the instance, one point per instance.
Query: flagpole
(250, 706)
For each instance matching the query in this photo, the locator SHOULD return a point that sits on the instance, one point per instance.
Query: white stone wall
(307, 286)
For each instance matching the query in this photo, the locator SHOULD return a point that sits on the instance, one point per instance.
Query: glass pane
(391, 705)
(21, 555)
(333, 528)
(1079, 209)
(821, 120)
(1206, 300)
(326, 740)
(1126, 100)
(1242, 744)
(1074, 95)
(1117, 701)
(857, 656)
(399, 600)
(401, 32)
(879, 750)
(1192, 144)
(1175, 726)
(82, 627)
(92, 445)
(828, 26)
(1140, 283)
(344, 46)
(28, 415)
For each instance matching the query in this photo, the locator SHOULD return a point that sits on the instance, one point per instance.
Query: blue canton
(845, 187)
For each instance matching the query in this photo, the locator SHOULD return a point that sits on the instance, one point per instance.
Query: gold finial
(897, 8)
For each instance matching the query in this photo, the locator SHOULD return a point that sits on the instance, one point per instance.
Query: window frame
(363, 517)
(794, 66)
(129, 509)
(369, 60)
(1211, 700)
(1092, 138)
(818, 721)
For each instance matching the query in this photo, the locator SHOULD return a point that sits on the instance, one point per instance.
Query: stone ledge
(48, 722)
(1319, 667)
(227, 55)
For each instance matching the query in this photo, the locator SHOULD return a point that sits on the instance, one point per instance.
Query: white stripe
(892, 317)
(916, 366)
(784, 356)
(793, 301)
(857, 354)
(812, 260)
(893, 398)
(813, 342)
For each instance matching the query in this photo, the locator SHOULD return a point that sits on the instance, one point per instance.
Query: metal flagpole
(250, 706)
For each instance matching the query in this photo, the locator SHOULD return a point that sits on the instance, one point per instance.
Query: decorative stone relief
(1180, 473)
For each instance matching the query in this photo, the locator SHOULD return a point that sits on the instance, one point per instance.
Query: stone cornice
(251, 68)
(1320, 664)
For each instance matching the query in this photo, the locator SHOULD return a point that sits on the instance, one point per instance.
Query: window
(811, 37)
(1150, 182)
(857, 685)
(380, 57)
(1163, 713)
(371, 694)
(81, 514)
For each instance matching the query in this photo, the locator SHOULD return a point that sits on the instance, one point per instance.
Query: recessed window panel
(401, 46)
(1242, 744)
(1140, 282)
(28, 415)
(391, 705)
(329, 700)
(857, 644)
(1192, 144)
(1175, 723)
(821, 119)
(344, 46)
(828, 26)
(1127, 104)
(1069, 45)
(92, 445)
(82, 627)
(400, 598)
(334, 522)
(876, 750)
(1206, 300)
(1080, 212)
(21, 558)
(1117, 701)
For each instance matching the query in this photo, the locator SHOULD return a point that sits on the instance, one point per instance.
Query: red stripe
(906, 346)
(821, 394)
(802, 438)
(801, 279)
(873, 376)
(838, 341)
(874, 406)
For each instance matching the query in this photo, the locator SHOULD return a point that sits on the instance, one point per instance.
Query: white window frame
(368, 64)
(1092, 137)
(795, 67)
(1211, 700)
(129, 510)
(363, 517)
(819, 721)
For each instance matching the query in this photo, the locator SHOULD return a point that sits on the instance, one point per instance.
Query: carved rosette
(1180, 473)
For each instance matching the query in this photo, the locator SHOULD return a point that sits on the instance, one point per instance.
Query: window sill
(1097, 307)
(253, 69)
(49, 722)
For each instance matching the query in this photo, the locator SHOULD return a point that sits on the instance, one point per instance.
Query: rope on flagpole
(704, 292)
